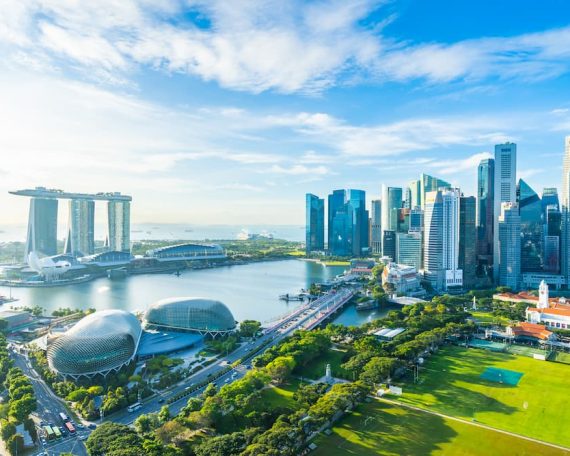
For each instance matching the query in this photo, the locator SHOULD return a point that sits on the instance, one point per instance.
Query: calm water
(250, 291)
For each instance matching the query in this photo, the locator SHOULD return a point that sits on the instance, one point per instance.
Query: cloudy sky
(230, 111)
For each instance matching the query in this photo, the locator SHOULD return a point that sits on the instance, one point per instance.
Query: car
(161, 400)
(84, 437)
(79, 426)
(92, 426)
(43, 440)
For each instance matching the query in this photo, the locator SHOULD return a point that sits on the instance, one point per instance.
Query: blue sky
(228, 112)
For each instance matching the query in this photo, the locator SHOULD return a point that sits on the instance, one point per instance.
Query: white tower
(543, 295)
(328, 374)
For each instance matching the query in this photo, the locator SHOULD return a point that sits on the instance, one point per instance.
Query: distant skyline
(229, 112)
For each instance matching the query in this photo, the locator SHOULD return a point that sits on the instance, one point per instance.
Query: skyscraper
(119, 219)
(389, 244)
(409, 249)
(509, 249)
(335, 238)
(356, 200)
(42, 227)
(376, 226)
(433, 239)
(450, 220)
(505, 191)
(467, 240)
(315, 223)
(391, 203)
(81, 230)
(348, 222)
(532, 224)
(429, 183)
(485, 216)
(565, 214)
(415, 194)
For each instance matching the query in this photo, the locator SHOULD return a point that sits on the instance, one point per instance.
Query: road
(301, 317)
(49, 407)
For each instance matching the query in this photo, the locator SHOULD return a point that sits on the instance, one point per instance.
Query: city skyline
(229, 131)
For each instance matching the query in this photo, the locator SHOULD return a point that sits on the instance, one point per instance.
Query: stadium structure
(100, 343)
(198, 315)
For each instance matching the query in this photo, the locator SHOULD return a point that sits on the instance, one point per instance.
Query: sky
(224, 112)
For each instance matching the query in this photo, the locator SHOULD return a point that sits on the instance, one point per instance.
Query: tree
(378, 369)
(310, 393)
(164, 414)
(8, 430)
(15, 444)
(280, 368)
(249, 328)
(113, 437)
(21, 408)
(3, 325)
(147, 423)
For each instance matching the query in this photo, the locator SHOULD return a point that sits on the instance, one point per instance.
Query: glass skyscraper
(409, 249)
(391, 203)
(485, 216)
(315, 223)
(348, 222)
(376, 226)
(81, 230)
(42, 227)
(531, 215)
(119, 218)
(467, 240)
(509, 251)
(429, 183)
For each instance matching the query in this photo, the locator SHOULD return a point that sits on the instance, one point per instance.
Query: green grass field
(539, 406)
(281, 396)
(379, 428)
(560, 357)
(488, 317)
(317, 368)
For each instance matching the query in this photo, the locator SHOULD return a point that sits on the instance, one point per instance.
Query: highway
(49, 407)
(302, 317)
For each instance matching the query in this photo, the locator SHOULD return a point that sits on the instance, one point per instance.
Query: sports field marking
(505, 376)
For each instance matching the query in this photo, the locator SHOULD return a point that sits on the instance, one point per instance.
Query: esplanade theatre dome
(101, 342)
(202, 315)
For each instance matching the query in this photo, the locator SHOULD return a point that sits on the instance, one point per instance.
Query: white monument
(328, 374)
(543, 296)
(474, 303)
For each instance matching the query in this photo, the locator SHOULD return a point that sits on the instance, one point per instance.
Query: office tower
(549, 198)
(429, 183)
(450, 220)
(416, 219)
(552, 237)
(336, 201)
(509, 249)
(408, 198)
(530, 210)
(565, 213)
(391, 202)
(468, 240)
(42, 227)
(81, 229)
(376, 226)
(389, 244)
(433, 239)
(415, 193)
(505, 191)
(315, 223)
(119, 219)
(409, 249)
(403, 220)
(356, 200)
(485, 216)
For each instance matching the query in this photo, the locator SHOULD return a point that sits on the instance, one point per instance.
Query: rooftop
(51, 193)
(531, 330)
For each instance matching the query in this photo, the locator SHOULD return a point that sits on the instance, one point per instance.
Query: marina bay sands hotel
(80, 239)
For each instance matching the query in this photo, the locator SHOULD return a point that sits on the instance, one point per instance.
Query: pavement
(49, 407)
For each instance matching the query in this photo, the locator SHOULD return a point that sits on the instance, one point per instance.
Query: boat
(291, 297)
(367, 305)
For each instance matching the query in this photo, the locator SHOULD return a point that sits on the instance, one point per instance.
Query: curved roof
(191, 314)
(186, 248)
(98, 343)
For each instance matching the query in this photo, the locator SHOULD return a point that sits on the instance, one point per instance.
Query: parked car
(92, 426)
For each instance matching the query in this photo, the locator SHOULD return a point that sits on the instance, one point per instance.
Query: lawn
(335, 263)
(282, 395)
(379, 428)
(451, 383)
(317, 368)
(560, 357)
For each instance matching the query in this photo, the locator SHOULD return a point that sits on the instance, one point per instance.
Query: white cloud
(288, 46)
(297, 170)
(470, 163)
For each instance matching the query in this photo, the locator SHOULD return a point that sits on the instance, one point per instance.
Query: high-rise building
(389, 244)
(565, 214)
(429, 183)
(407, 198)
(315, 223)
(356, 200)
(403, 220)
(376, 226)
(467, 240)
(415, 194)
(81, 230)
(417, 219)
(549, 198)
(505, 191)
(336, 237)
(391, 203)
(409, 249)
(532, 224)
(433, 240)
(485, 216)
(451, 205)
(509, 249)
(42, 227)
(119, 219)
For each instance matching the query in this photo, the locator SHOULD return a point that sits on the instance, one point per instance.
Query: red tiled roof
(563, 312)
(531, 330)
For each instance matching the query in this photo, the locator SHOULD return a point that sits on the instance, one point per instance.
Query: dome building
(200, 315)
(100, 343)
